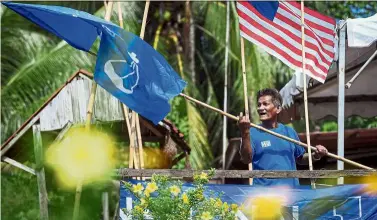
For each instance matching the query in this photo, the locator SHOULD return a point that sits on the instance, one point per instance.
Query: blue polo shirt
(272, 153)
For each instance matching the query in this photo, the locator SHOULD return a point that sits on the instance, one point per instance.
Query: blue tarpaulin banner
(343, 202)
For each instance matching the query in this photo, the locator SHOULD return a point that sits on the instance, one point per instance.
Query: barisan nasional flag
(135, 73)
(275, 26)
(127, 67)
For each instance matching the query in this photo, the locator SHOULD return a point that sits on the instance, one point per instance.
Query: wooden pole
(76, 209)
(126, 109)
(305, 91)
(247, 114)
(105, 206)
(225, 105)
(138, 159)
(273, 133)
(38, 151)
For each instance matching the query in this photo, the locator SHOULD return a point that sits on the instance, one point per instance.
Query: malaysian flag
(276, 27)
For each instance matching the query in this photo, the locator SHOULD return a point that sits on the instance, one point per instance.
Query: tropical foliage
(36, 64)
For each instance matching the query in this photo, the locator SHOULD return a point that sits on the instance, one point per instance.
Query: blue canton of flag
(136, 74)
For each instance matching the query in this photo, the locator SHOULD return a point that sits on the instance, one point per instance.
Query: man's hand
(320, 152)
(244, 124)
(245, 151)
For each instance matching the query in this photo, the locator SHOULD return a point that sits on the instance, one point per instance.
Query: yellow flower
(151, 187)
(203, 176)
(138, 209)
(175, 190)
(234, 207)
(218, 203)
(142, 201)
(147, 193)
(137, 188)
(225, 206)
(206, 216)
(199, 195)
(185, 198)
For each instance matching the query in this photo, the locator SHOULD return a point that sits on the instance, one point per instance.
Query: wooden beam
(18, 165)
(177, 159)
(63, 131)
(152, 139)
(38, 151)
(248, 174)
(18, 135)
(154, 130)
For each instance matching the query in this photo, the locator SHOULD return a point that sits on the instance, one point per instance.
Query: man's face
(266, 108)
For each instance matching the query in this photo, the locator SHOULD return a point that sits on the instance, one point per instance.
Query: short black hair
(277, 100)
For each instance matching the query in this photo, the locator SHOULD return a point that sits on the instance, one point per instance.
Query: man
(268, 152)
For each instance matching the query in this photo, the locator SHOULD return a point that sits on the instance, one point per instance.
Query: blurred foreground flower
(206, 216)
(175, 190)
(263, 207)
(82, 156)
(371, 184)
(137, 188)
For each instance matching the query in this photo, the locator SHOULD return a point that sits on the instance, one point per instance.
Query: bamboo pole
(226, 85)
(250, 166)
(40, 172)
(134, 114)
(306, 91)
(125, 108)
(76, 209)
(273, 133)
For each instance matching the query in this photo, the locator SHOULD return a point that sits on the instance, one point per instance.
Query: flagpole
(305, 91)
(130, 127)
(225, 107)
(245, 92)
(134, 114)
(76, 209)
(273, 133)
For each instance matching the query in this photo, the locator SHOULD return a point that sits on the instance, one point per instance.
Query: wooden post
(305, 91)
(76, 209)
(38, 151)
(247, 114)
(105, 205)
(225, 105)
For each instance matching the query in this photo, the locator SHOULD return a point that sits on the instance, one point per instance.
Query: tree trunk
(189, 41)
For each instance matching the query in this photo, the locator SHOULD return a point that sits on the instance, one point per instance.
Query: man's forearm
(305, 159)
(245, 150)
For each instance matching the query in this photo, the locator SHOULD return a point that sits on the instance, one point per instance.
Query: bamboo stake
(140, 143)
(76, 209)
(125, 108)
(275, 134)
(134, 114)
(306, 92)
(226, 85)
(244, 77)
(245, 92)
(120, 15)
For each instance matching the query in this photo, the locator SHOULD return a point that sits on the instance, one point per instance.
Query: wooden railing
(125, 172)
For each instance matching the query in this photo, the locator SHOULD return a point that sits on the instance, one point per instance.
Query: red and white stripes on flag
(279, 33)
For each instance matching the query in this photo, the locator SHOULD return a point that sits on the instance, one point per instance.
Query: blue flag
(136, 74)
(127, 67)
